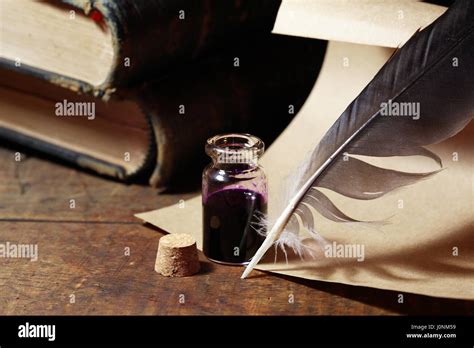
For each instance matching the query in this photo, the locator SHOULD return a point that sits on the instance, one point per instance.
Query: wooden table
(84, 266)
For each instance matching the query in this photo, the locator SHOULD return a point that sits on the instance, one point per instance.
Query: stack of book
(131, 89)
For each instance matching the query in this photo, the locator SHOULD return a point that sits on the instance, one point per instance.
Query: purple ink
(234, 198)
(229, 220)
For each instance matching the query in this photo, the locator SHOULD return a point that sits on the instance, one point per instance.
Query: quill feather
(423, 72)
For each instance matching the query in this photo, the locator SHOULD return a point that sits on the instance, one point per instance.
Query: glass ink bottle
(234, 198)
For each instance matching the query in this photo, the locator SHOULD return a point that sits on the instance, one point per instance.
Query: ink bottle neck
(234, 164)
(235, 152)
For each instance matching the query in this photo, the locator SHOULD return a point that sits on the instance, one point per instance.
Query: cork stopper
(177, 256)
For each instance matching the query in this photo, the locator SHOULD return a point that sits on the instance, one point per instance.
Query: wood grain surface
(97, 259)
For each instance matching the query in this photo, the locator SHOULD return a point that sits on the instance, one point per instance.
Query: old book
(97, 46)
(151, 80)
(157, 128)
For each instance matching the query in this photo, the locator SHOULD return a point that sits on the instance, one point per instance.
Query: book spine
(152, 36)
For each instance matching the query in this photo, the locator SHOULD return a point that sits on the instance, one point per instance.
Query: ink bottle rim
(235, 148)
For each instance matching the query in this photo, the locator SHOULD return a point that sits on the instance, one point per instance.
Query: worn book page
(371, 22)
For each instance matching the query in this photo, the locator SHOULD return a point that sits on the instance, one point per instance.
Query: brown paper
(427, 224)
(371, 22)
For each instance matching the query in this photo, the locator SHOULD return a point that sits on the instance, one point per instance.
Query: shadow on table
(387, 299)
